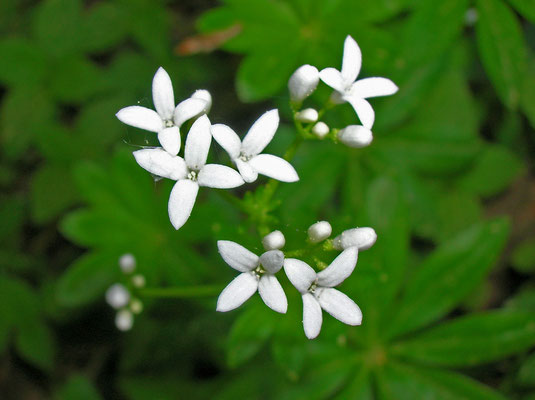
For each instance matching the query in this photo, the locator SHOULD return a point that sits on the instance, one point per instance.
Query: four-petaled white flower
(190, 172)
(257, 273)
(246, 155)
(167, 118)
(318, 293)
(352, 91)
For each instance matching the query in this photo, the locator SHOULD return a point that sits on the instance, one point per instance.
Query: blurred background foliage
(448, 291)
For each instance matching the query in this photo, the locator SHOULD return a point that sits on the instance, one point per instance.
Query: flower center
(168, 123)
(244, 157)
(259, 271)
(193, 175)
(313, 287)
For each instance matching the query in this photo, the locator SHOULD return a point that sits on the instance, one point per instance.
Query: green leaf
(56, 26)
(36, 345)
(488, 177)
(528, 91)
(448, 275)
(523, 257)
(504, 60)
(104, 27)
(524, 299)
(87, 279)
(471, 340)
(526, 8)
(357, 387)
(23, 62)
(52, 191)
(402, 382)
(526, 374)
(78, 387)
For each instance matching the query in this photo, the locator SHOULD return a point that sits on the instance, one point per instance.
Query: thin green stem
(181, 292)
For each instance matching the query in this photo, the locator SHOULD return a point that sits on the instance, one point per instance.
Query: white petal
(261, 133)
(274, 241)
(373, 87)
(333, 78)
(237, 292)
(219, 177)
(170, 140)
(205, 95)
(274, 167)
(271, 292)
(161, 163)
(362, 238)
(339, 306)
(247, 172)
(363, 109)
(356, 136)
(352, 60)
(162, 94)
(299, 273)
(181, 202)
(312, 318)
(303, 82)
(237, 256)
(227, 138)
(188, 109)
(140, 117)
(198, 143)
(272, 261)
(339, 269)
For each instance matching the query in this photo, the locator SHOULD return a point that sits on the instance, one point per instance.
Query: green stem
(181, 292)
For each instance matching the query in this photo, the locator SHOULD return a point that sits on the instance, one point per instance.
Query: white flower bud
(303, 82)
(138, 281)
(117, 296)
(127, 262)
(204, 95)
(308, 115)
(319, 231)
(136, 306)
(320, 130)
(274, 241)
(355, 136)
(362, 238)
(124, 320)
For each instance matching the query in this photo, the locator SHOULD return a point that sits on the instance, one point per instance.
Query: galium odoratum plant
(247, 160)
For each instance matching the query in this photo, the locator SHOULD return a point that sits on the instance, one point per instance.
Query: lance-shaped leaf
(402, 382)
(448, 276)
(472, 340)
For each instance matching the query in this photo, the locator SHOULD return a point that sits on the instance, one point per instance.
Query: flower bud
(274, 241)
(303, 82)
(204, 95)
(320, 130)
(124, 320)
(136, 306)
(319, 231)
(127, 262)
(308, 115)
(362, 238)
(117, 296)
(355, 136)
(138, 281)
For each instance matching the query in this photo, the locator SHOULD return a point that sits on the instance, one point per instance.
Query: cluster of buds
(258, 274)
(120, 295)
(347, 89)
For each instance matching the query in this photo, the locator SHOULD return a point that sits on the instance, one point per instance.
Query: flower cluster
(257, 273)
(192, 171)
(119, 295)
(347, 89)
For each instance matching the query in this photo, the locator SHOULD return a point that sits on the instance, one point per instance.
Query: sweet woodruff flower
(361, 238)
(355, 136)
(246, 154)
(303, 82)
(319, 231)
(257, 273)
(190, 172)
(274, 241)
(167, 118)
(317, 291)
(352, 91)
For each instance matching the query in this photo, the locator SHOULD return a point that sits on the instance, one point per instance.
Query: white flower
(361, 238)
(308, 115)
(117, 296)
(355, 136)
(190, 172)
(246, 155)
(352, 91)
(257, 273)
(318, 293)
(124, 320)
(319, 231)
(320, 129)
(274, 241)
(167, 119)
(127, 263)
(303, 82)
